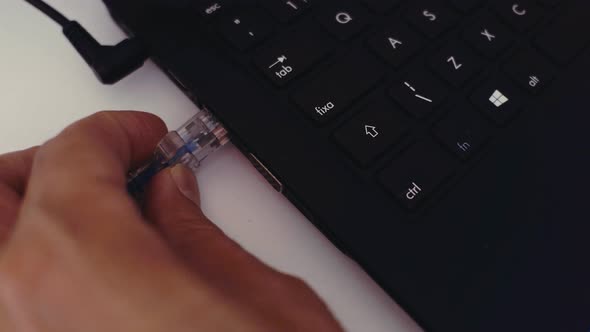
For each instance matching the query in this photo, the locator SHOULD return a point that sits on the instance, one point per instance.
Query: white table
(44, 86)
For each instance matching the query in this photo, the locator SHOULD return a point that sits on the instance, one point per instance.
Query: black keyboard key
(286, 10)
(568, 35)
(499, 100)
(246, 29)
(416, 174)
(522, 14)
(488, 36)
(419, 93)
(551, 3)
(456, 63)
(343, 19)
(529, 70)
(212, 8)
(396, 44)
(337, 87)
(463, 131)
(293, 54)
(370, 133)
(466, 5)
(431, 17)
(381, 6)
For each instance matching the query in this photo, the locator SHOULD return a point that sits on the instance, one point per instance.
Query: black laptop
(444, 145)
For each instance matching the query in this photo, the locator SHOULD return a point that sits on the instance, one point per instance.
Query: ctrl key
(417, 173)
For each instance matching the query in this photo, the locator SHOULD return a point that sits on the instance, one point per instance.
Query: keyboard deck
(409, 91)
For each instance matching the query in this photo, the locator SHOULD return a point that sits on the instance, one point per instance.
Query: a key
(488, 36)
(286, 10)
(568, 35)
(417, 173)
(419, 93)
(212, 8)
(294, 54)
(463, 131)
(396, 44)
(367, 135)
(499, 100)
(343, 19)
(338, 86)
(455, 63)
(466, 5)
(521, 14)
(381, 6)
(530, 70)
(431, 17)
(246, 29)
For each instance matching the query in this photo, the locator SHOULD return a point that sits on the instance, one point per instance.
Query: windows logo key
(498, 98)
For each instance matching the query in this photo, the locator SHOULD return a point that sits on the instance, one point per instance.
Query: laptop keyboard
(424, 85)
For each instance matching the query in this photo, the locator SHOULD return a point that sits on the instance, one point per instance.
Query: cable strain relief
(83, 42)
(119, 61)
(109, 63)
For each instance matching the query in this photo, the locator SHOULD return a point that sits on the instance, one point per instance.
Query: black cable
(109, 63)
(50, 11)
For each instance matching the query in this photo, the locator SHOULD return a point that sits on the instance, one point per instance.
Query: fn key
(417, 174)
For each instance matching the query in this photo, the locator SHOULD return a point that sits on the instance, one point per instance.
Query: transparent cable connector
(192, 143)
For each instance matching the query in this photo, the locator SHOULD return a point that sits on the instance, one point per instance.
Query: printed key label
(323, 110)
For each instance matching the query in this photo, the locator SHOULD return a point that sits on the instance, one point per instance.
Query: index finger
(79, 177)
(14, 173)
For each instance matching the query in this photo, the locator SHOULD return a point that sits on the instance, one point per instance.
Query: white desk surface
(44, 86)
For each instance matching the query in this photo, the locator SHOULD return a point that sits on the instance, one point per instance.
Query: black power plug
(109, 63)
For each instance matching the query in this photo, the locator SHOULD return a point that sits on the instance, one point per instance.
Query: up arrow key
(371, 131)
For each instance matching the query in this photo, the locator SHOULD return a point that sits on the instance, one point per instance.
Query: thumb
(172, 204)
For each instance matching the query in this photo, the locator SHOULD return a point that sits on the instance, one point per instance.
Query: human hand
(78, 254)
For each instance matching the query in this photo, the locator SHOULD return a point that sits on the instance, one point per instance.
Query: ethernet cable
(198, 138)
(189, 145)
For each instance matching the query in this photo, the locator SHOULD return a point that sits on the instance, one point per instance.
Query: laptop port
(268, 176)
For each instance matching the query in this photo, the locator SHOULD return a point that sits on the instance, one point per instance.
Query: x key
(488, 36)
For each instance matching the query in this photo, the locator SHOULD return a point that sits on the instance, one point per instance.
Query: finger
(15, 169)
(9, 205)
(78, 179)
(14, 173)
(172, 204)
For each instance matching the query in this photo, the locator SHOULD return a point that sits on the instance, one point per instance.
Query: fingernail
(186, 183)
